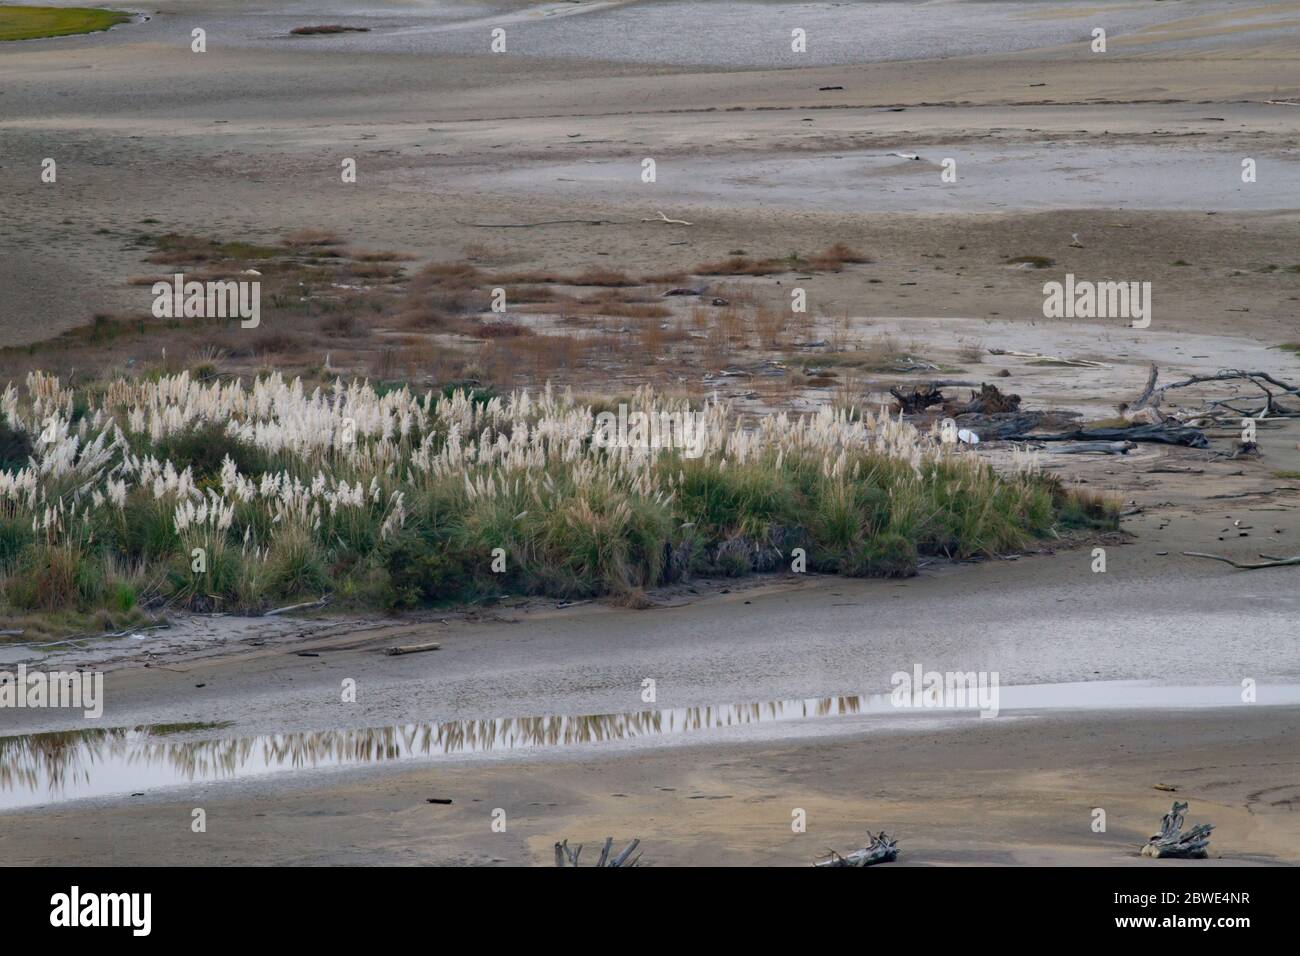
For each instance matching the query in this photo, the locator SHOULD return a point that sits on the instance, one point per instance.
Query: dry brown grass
(576, 309)
(441, 312)
(741, 266)
(374, 270)
(344, 325)
(501, 330)
(602, 277)
(831, 259)
(528, 277)
(312, 237)
(971, 352)
(174, 248)
(849, 392)
(732, 320)
(653, 339)
(276, 343)
(665, 278)
(530, 359)
(835, 257)
(717, 349)
(841, 334)
(533, 293)
(453, 287)
(770, 325)
(483, 252)
(426, 319)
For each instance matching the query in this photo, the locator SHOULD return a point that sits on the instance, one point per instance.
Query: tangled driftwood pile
(999, 416)
(1172, 842)
(987, 401)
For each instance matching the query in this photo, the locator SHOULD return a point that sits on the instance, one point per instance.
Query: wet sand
(995, 793)
(1017, 788)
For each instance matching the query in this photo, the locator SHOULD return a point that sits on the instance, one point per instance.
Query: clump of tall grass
(233, 495)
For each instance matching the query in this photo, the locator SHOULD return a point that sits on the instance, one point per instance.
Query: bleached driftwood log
(566, 857)
(1172, 842)
(412, 648)
(1163, 433)
(1105, 447)
(881, 850)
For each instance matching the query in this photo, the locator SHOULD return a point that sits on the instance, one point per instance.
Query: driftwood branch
(1227, 375)
(567, 857)
(412, 648)
(674, 222)
(298, 607)
(880, 850)
(1172, 842)
(1248, 566)
(1146, 407)
(1081, 363)
(544, 222)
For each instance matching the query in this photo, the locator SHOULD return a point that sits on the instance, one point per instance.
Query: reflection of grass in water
(58, 759)
(54, 757)
(29, 23)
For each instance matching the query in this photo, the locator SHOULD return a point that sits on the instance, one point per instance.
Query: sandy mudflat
(997, 793)
(1137, 152)
(245, 141)
(1018, 788)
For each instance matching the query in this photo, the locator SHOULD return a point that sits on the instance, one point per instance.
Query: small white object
(968, 436)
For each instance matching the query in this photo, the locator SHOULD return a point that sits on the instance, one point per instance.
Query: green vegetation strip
(31, 23)
(163, 491)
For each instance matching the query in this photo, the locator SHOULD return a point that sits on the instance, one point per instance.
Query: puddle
(48, 768)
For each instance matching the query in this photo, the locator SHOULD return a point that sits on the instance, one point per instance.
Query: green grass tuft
(32, 23)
